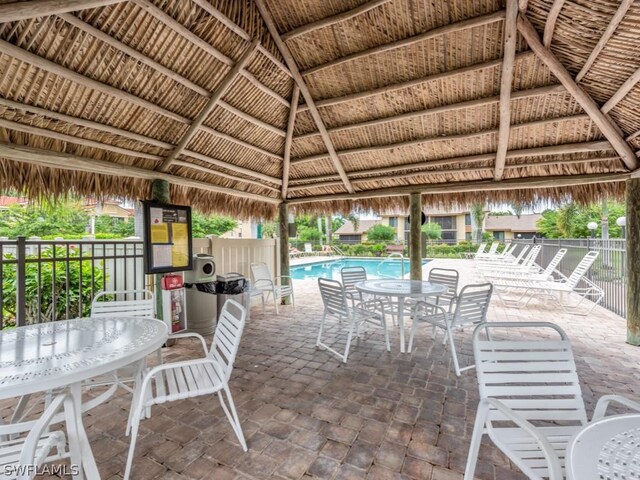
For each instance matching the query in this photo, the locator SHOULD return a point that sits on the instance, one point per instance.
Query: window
(447, 223)
(467, 236)
(350, 238)
(393, 221)
(449, 235)
(499, 236)
(467, 219)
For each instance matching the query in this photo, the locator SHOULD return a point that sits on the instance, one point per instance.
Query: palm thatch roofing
(327, 104)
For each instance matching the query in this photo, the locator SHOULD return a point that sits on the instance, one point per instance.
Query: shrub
(381, 233)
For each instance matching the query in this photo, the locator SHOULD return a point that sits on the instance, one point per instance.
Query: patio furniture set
(531, 403)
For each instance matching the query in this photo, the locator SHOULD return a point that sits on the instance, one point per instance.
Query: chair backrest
(333, 297)
(535, 377)
(447, 277)
(123, 303)
(472, 304)
(555, 261)
(308, 248)
(481, 248)
(582, 268)
(493, 248)
(507, 250)
(531, 256)
(351, 276)
(260, 271)
(226, 339)
(525, 249)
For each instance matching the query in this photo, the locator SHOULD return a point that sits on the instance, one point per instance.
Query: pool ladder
(389, 258)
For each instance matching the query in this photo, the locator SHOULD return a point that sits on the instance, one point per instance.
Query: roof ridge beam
(606, 36)
(133, 53)
(606, 126)
(332, 20)
(478, 102)
(223, 87)
(12, 12)
(436, 32)
(65, 161)
(506, 82)
(134, 136)
(288, 141)
(420, 141)
(327, 102)
(474, 186)
(291, 63)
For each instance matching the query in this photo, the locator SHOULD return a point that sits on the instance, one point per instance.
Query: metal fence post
(21, 273)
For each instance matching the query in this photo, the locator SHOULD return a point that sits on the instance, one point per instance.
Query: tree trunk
(283, 221)
(633, 261)
(415, 236)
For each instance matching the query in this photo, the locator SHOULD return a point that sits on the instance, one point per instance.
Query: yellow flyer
(160, 233)
(180, 248)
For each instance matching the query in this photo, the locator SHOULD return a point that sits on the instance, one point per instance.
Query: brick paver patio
(381, 416)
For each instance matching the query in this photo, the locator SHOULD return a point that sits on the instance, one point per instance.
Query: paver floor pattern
(381, 416)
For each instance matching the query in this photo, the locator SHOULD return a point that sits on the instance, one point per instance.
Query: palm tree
(477, 216)
(517, 208)
(355, 221)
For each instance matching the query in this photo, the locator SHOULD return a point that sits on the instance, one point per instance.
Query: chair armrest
(174, 336)
(278, 279)
(606, 400)
(555, 468)
(372, 304)
(424, 306)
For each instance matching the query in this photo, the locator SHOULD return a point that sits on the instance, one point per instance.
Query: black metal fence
(48, 280)
(608, 272)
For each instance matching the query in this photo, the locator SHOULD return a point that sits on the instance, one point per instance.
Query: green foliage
(548, 224)
(449, 251)
(364, 249)
(571, 220)
(211, 224)
(487, 237)
(381, 233)
(309, 234)
(67, 287)
(269, 230)
(114, 226)
(58, 219)
(477, 215)
(500, 213)
(433, 231)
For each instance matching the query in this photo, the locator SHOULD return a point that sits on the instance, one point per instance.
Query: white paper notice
(162, 256)
(156, 216)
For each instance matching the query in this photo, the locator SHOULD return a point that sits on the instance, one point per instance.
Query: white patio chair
(124, 303)
(549, 289)
(25, 447)
(262, 280)
(520, 263)
(207, 375)
(530, 399)
(532, 273)
(253, 291)
(469, 308)
(443, 276)
(308, 249)
(350, 276)
(356, 316)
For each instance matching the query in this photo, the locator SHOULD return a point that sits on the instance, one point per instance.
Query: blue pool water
(375, 267)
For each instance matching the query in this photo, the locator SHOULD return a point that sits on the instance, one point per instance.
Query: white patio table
(606, 449)
(400, 290)
(62, 354)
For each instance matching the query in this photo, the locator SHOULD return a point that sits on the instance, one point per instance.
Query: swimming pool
(375, 267)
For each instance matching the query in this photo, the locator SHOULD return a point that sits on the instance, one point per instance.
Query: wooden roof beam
(12, 12)
(108, 39)
(332, 20)
(606, 36)
(622, 92)
(65, 161)
(550, 24)
(506, 83)
(222, 88)
(475, 186)
(606, 126)
(295, 98)
(81, 122)
(436, 32)
(284, 50)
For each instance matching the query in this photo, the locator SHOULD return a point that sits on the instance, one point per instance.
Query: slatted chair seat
(185, 381)
(11, 451)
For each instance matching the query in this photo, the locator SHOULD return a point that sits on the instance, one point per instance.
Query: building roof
(511, 223)
(363, 227)
(382, 98)
(6, 201)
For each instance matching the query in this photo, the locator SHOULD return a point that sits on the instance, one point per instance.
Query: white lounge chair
(528, 273)
(549, 289)
(530, 399)
(356, 315)
(274, 286)
(504, 258)
(207, 375)
(480, 251)
(489, 253)
(468, 308)
(520, 263)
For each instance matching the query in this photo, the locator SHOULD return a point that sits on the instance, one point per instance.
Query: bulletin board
(167, 238)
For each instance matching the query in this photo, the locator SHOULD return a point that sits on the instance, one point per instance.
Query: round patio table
(400, 290)
(62, 354)
(606, 449)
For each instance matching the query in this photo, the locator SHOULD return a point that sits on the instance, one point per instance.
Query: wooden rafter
(506, 82)
(550, 24)
(480, 102)
(295, 98)
(81, 122)
(304, 90)
(436, 32)
(523, 5)
(606, 36)
(332, 20)
(475, 186)
(65, 161)
(108, 39)
(12, 12)
(606, 126)
(422, 141)
(622, 92)
(208, 108)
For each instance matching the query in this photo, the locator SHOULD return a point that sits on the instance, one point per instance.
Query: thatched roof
(335, 104)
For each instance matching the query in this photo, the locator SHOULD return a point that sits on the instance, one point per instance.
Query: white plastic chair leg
(414, 326)
(452, 345)
(275, 302)
(476, 438)
(348, 345)
(319, 340)
(232, 415)
(132, 444)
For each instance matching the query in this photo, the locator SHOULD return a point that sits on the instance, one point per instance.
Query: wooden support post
(159, 193)
(415, 236)
(633, 261)
(283, 217)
